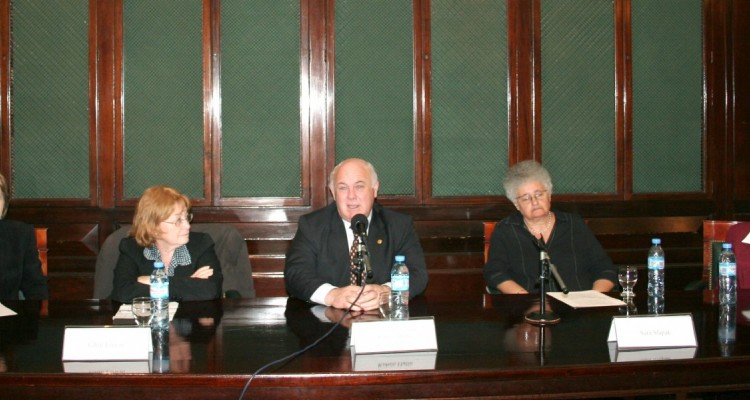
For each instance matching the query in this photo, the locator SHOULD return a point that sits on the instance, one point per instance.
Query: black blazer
(131, 264)
(319, 252)
(20, 268)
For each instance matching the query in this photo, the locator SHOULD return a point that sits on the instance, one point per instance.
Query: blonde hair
(4, 195)
(156, 205)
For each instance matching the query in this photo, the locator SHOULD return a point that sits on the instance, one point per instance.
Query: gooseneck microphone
(359, 227)
(544, 258)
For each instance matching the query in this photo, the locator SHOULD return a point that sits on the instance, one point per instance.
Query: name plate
(411, 361)
(88, 343)
(652, 331)
(392, 336)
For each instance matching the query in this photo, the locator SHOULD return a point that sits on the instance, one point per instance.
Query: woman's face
(175, 230)
(533, 200)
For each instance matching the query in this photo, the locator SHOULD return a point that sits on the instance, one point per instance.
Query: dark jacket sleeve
(202, 252)
(302, 260)
(407, 244)
(33, 282)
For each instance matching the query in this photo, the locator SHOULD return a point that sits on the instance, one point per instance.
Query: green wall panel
(260, 98)
(667, 96)
(469, 97)
(50, 125)
(578, 108)
(163, 95)
(374, 81)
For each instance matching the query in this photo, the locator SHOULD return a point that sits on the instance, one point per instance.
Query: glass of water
(627, 276)
(141, 308)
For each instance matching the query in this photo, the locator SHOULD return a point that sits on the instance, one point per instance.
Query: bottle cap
(400, 258)
(158, 264)
(726, 246)
(656, 241)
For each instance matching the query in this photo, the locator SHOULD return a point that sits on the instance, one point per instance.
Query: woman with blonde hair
(161, 232)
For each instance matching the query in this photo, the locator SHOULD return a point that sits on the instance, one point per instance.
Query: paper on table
(5, 311)
(586, 298)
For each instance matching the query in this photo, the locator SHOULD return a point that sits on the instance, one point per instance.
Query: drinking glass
(385, 304)
(141, 308)
(627, 276)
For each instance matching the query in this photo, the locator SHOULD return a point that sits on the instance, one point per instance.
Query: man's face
(354, 190)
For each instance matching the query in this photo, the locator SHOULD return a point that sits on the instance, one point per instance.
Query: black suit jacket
(131, 264)
(319, 252)
(20, 268)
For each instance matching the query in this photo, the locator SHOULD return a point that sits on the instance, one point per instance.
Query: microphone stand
(543, 316)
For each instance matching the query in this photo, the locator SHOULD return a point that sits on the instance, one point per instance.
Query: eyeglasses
(526, 199)
(187, 218)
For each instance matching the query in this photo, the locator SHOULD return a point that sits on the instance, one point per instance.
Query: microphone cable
(304, 349)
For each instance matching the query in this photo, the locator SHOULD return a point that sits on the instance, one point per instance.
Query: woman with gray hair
(513, 259)
(20, 268)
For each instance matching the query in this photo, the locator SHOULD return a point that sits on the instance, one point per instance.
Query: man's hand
(345, 296)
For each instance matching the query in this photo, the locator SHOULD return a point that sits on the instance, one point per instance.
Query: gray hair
(368, 166)
(525, 172)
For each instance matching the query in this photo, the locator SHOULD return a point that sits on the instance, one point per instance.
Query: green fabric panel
(578, 108)
(667, 96)
(163, 95)
(50, 139)
(374, 79)
(260, 98)
(469, 97)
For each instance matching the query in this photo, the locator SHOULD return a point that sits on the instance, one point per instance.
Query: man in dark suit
(318, 266)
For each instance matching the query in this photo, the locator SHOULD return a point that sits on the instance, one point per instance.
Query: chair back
(41, 247)
(489, 227)
(229, 245)
(714, 234)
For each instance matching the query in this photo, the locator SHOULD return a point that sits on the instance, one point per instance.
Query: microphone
(544, 257)
(359, 226)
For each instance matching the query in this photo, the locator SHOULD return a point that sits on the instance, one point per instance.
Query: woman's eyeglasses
(526, 199)
(181, 220)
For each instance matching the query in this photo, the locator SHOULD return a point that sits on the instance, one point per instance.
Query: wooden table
(485, 349)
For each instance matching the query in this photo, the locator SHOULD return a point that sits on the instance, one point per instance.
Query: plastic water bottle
(727, 329)
(400, 288)
(160, 296)
(727, 275)
(655, 285)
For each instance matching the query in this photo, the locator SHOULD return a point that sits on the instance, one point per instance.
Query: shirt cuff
(319, 296)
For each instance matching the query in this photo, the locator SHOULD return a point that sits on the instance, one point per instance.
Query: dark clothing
(319, 252)
(131, 264)
(735, 235)
(572, 248)
(20, 268)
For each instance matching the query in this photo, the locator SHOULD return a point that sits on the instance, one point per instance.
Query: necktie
(352, 259)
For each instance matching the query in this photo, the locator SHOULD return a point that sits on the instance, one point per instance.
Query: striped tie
(352, 259)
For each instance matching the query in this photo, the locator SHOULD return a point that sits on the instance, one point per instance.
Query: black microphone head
(359, 224)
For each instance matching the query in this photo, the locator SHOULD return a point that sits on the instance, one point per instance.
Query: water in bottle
(655, 286)
(400, 289)
(727, 275)
(160, 296)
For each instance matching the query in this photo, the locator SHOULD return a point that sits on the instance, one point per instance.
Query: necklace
(537, 232)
